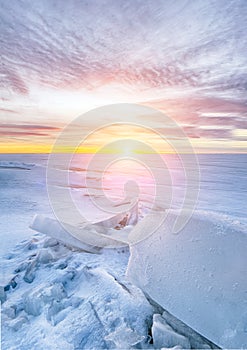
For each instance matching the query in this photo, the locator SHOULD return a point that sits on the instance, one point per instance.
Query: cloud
(6, 110)
(192, 50)
(145, 44)
(10, 79)
(29, 126)
(21, 133)
(27, 131)
(216, 134)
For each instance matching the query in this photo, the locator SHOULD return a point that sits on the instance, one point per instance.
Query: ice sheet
(198, 275)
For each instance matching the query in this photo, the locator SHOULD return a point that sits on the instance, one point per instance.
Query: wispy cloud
(187, 58)
(8, 134)
(29, 126)
(161, 44)
(26, 132)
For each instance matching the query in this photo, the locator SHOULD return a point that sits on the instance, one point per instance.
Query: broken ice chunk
(165, 336)
(124, 338)
(90, 238)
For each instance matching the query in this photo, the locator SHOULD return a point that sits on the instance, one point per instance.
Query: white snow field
(55, 296)
(198, 275)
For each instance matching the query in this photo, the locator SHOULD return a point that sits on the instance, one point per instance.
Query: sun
(128, 150)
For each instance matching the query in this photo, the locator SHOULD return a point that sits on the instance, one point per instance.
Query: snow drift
(198, 275)
(16, 165)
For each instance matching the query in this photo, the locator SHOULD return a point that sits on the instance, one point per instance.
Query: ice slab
(90, 238)
(198, 275)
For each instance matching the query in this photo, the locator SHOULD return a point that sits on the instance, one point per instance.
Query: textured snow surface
(198, 275)
(56, 298)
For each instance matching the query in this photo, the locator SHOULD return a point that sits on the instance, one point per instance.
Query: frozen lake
(23, 188)
(214, 240)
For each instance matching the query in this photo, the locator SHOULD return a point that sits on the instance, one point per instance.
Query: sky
(60, 59)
